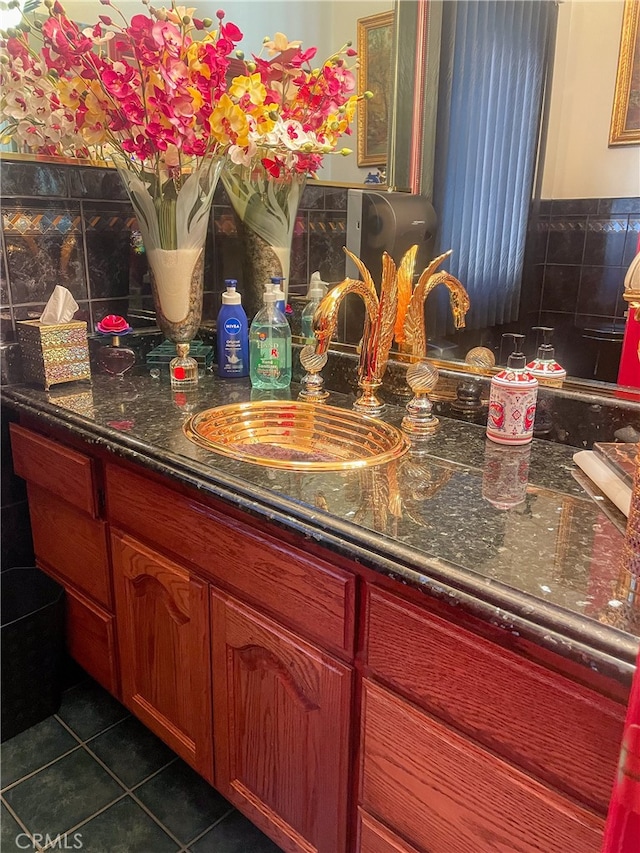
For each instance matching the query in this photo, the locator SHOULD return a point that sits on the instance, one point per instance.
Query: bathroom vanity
(379, 660)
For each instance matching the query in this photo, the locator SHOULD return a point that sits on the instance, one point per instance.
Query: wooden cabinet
(246, 655)
(281, 723)
(444, 794)
(162, 614)
(70, 544)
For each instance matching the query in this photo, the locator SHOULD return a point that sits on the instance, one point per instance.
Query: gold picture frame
(625, 119)
(375, 38)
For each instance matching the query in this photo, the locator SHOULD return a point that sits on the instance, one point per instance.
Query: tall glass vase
(173, 212)
(267, 208)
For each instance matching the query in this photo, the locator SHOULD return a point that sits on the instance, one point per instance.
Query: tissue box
(53, 354)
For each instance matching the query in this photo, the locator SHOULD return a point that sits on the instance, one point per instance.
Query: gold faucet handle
(420, 422)
(312, 361)
(422, 377)
(480, 357)
(312, 383)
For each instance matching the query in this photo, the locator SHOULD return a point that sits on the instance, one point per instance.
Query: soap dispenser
(315, 294)
(232, 331)
(512, 399)
(544, 366)
(270, 346)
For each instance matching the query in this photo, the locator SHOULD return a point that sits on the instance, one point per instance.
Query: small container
(232, 335)
(512, 400)
(544, 366)
(183, 369)
(270, 346)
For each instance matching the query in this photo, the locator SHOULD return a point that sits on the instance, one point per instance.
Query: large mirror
(588, 221)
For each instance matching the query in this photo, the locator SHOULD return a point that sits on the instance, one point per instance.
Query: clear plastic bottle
(270, 346)
(316, 292)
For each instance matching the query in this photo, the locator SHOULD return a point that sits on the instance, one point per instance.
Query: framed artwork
(375, 37)
(625, 120)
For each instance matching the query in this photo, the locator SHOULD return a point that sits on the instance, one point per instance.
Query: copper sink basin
(296, 436)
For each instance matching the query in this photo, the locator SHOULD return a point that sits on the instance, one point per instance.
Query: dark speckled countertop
(547, 569)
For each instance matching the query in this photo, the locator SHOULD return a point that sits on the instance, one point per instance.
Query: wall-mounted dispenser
(389, 222)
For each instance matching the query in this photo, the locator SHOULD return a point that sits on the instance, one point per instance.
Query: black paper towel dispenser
(389, 222)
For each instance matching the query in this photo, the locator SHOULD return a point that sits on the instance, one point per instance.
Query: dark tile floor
(92, 778)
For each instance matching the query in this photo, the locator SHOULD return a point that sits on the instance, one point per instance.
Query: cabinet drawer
(373, 837)
(74, 545)
(91, 639)
(62, 471)
(445, 795)
(306, 593)
(561, 732)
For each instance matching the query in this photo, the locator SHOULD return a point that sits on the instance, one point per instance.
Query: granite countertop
(444, 522)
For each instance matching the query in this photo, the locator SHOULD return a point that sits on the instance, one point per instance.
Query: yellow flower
(227, 117)
(252, 86)
(265, 119)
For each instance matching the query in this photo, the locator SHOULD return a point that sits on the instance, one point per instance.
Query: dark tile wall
(74, 226)
(577, 255)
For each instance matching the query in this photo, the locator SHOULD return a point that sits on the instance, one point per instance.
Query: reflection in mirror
(583, 226)
(563, 264)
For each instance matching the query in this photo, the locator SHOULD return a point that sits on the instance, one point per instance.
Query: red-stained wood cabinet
(281, 729)
(339, 716)
(162, 613)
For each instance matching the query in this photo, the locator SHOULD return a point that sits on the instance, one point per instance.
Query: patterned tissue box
(54, 354)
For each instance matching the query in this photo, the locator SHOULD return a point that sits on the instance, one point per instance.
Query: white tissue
(60, 308)
(317, 282)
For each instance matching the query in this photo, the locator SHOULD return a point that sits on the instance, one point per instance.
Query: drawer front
(91, 639)
(559, 731)
(373, 837)
(308, 594)
(63, 472)
(445, 795)
(74, 545)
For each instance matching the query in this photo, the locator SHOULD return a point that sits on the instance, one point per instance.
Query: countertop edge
(601, 648)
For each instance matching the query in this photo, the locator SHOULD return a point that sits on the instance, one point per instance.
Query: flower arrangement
(156, 105)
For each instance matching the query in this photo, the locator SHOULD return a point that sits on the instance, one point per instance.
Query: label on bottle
(233, 346)
(269, 361)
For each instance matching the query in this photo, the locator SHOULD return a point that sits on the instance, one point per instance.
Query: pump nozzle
(517, 360)
(545, 350)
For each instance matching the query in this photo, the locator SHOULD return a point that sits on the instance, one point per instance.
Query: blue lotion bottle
(233, 335)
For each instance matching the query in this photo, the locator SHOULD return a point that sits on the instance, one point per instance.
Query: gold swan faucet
(398, 313)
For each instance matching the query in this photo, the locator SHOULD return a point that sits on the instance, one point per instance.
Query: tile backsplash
(75, 226)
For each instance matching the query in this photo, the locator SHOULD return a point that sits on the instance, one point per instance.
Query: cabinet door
(281, 722)
(162, 615)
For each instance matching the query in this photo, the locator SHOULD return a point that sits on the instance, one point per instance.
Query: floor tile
(182, 801)
(88, 709)
(63, 794)
(33, 748)
(124, 828)
(131, 751)
(11, 833)
(234, 834)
